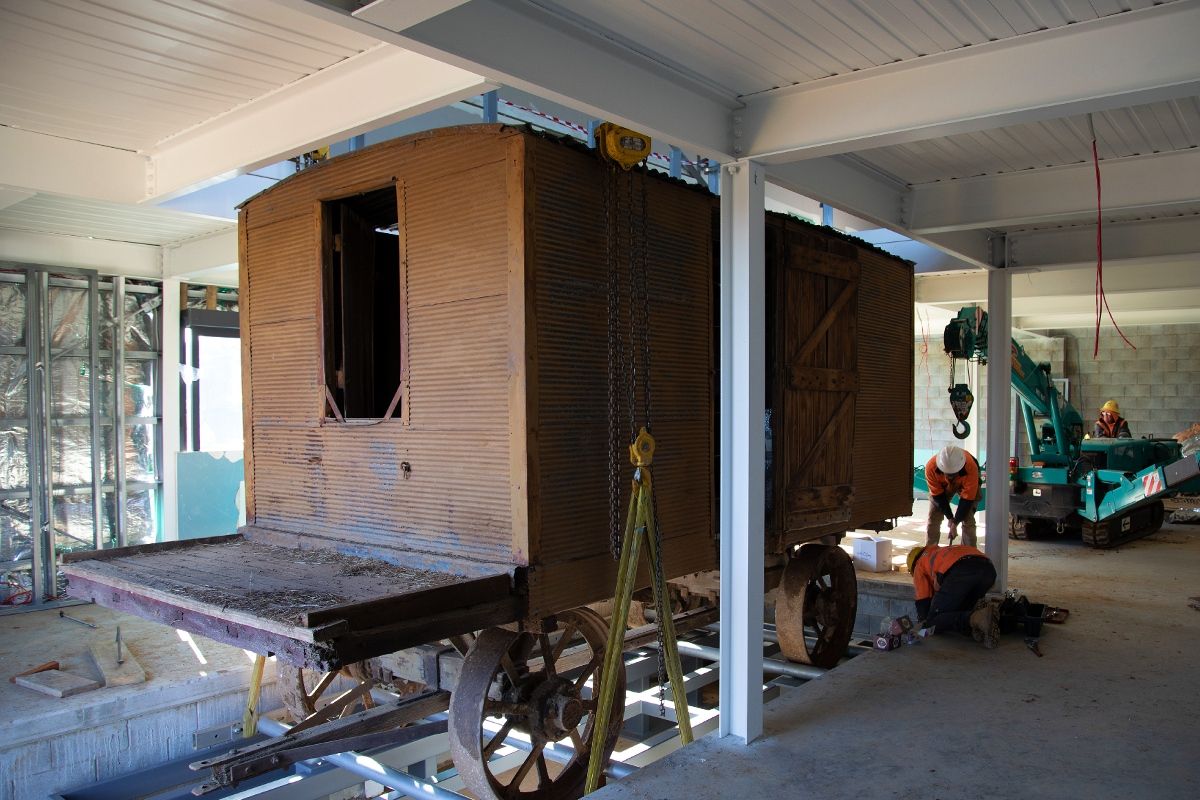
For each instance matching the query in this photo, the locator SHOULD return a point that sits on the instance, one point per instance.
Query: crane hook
(966, 429)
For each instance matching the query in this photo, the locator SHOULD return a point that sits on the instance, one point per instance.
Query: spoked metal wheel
(302, 690)
(532, 688)
(816, 604)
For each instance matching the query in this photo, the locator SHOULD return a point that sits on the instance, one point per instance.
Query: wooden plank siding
(840, 383)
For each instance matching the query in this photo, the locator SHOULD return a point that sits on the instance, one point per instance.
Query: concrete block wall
(81, 746)
(931, 404)
(1157, 385)
(879, 599)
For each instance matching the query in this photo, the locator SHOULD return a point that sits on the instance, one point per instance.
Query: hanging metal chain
(630, 262)
(626, 209)
(615, 356)
(644, 278)
(639, 313)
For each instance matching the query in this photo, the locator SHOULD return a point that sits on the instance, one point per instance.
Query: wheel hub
(560, 708)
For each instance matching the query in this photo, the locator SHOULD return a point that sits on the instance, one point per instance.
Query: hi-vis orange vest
(966, 486)
(934, 562)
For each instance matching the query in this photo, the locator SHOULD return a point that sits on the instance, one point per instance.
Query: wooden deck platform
(312, 607)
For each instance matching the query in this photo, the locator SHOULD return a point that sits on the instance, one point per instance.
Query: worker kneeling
(950, 584)
(953, 471)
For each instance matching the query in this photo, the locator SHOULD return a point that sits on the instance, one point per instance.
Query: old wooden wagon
(426, 329)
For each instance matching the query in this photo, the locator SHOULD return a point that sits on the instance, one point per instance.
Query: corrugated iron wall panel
(286, 270)
(459, 228)
(348, 482)
(883, 434)
(569, 290)
(459, 357)
(287, 387)
(422, 156)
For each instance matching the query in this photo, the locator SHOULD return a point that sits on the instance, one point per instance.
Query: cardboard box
(873, 554)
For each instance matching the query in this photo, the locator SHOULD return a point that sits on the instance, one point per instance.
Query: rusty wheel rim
(506, 688)
(816, 604)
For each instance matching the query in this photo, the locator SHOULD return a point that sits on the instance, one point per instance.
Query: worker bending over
(953, 471)
(950, 584)
(1111, 425)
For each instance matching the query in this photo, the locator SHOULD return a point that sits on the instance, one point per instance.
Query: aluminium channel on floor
(412, 769)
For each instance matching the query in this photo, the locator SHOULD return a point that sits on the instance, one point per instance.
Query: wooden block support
(32, 670)
(104, 655)
(57, 683)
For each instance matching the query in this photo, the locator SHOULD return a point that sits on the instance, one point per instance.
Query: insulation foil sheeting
(12, 314)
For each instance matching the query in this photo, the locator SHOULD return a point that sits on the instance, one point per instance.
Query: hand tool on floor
(49, 665)
(1032, 644)
(73, 619)
(120, 660)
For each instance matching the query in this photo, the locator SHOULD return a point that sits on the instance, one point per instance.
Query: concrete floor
(1110, 711)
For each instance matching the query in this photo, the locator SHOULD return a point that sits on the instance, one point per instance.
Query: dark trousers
(963, 584)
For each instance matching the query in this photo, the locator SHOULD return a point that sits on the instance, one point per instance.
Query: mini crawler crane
(1108, 491)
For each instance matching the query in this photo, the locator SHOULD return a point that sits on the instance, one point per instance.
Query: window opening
(363, 312)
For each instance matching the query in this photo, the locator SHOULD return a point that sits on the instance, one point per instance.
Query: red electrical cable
(1101, 298)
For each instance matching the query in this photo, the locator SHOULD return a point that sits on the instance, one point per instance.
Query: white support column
(170, 408)
(743, 389)
(999, 395)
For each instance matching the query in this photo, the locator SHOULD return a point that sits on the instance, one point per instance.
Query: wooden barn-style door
(817, 385)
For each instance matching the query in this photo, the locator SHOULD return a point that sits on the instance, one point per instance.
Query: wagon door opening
(363, 309)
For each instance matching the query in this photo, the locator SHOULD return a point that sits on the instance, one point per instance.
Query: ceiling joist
(51, 165)
(535, 52)
(368, 91)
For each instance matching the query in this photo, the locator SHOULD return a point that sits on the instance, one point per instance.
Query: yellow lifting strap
(639, 525)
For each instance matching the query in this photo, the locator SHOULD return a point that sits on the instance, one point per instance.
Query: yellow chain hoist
(624, 148)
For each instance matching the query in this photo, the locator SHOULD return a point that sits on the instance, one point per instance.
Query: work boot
(985, 624)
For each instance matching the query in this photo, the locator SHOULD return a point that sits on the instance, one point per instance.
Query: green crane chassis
(1111, 495)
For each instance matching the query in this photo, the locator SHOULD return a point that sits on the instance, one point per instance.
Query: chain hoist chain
(615, 450)
(625, 222)
(644, 277)
(639, 317)
(631, 373)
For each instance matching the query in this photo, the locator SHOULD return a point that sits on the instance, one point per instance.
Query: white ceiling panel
(1166, 126)
(128, 73)
(751, 46)
(120, 223)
